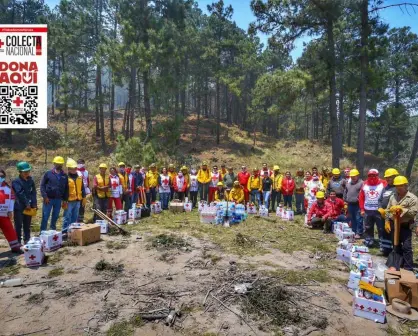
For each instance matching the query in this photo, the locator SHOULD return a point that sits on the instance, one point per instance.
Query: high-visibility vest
(101, 183)
(75, 189)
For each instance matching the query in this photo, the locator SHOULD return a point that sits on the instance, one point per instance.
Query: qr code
(18, 105)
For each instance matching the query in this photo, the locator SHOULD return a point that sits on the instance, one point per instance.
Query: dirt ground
(68, 296)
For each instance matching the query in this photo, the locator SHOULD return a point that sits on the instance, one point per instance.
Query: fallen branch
(94, 282)
(153, 317)
(225, 306)
(308, 331)
(33, 332)
(206, 297)
(38, 283)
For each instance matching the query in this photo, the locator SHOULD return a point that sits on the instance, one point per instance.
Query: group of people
(325, 197)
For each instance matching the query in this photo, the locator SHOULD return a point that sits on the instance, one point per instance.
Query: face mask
(58, 167)
(2, 179)
(80, 165)
(122, 170)
(128, 170)
(180, 174)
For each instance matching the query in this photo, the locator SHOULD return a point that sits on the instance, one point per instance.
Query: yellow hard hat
(183, 168)
(220, 184)
(153, 165)
(276, 167)
(336, 171)
(71, 163)
(121, 164)
(391, 172)
(171, 165)
(354, 172)
(255, 169)
(103, 165)
(58, 160)
(320, 194)
(400, 180)
(236, 184)
(204, 163)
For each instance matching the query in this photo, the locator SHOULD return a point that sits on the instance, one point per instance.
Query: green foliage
(134, 150)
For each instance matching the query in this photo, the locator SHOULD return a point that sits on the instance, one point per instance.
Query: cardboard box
(104, 226)
(402, 285)
(369, 309)
(86, 234)
(343, 255)
(188, 206)
(52, 240)
(177, 206)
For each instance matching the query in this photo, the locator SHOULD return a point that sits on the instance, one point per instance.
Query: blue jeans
(287, 201)
(151, 196)
(255, 196)
(54, 205)
(164, 198)
(372, 218)
(266, 196)
(300, 203)
(356, 219)
(70, 215)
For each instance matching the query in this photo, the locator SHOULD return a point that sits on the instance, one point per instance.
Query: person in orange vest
(223, 169)
(215, 178)
(243, 177)
(101, 190)
(151, 183)
(116, 191)
(172, 173)
(203, 177)
(7, 200)
(76, 196)
(237, 193)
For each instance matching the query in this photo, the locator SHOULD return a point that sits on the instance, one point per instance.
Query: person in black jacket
(54, 191)
(25, 191)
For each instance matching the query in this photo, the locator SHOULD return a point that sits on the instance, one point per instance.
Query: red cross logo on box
(1, 44)
(55, 238)
(361, 307)
(18, 101)
(32, 257)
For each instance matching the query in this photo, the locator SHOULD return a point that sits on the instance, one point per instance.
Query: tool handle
(397, 229)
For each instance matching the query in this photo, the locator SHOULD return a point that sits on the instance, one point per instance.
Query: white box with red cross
(369, 309)
(34, 252)
(52, 240)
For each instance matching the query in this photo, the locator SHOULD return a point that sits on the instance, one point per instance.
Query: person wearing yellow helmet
(76, 196)
(336, 183)
(351, 197)
(215, 178)
(404, 204)
(100, 190)
(54, 191)
(254, 186)
(151, 183)
(229, 179)
(388, 190)
(220, 194)
(319, 212)
(237, 193)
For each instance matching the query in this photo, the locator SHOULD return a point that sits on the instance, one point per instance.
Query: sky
(243, 16)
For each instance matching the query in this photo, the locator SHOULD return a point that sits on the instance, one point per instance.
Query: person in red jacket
(180, 185)
(336, 207)
(288, 186)
(369, 204)
(243, 177)
(318, 215)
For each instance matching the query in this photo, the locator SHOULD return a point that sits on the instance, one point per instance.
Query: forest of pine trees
(355, 84)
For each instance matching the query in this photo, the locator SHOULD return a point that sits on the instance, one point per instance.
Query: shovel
(395, 258)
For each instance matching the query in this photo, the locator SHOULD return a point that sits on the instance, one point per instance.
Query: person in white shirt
(116, 192)
(83, 172)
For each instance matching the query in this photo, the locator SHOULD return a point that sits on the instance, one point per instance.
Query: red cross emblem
(32, 257)
(1, 44)
(370, 308)
(165, 181)
(18, 101)
(383, 312)
(55, 238)
(375, 310)
(361, 307)
(2, 197)
(373, 194)
(214, 178)
(114, 184)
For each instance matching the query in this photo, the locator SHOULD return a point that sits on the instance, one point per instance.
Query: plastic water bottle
(12, 283)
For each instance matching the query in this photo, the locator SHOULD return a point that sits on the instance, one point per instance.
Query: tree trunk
(112, 88)
(413, 156)
(341, 119)
(363, 85)
(96, 101)
(350, 124)
(53, 86)
(147, 104)
(198, 108)
(102, 127)
(333, 91)
(66, 101)
(218, 112)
